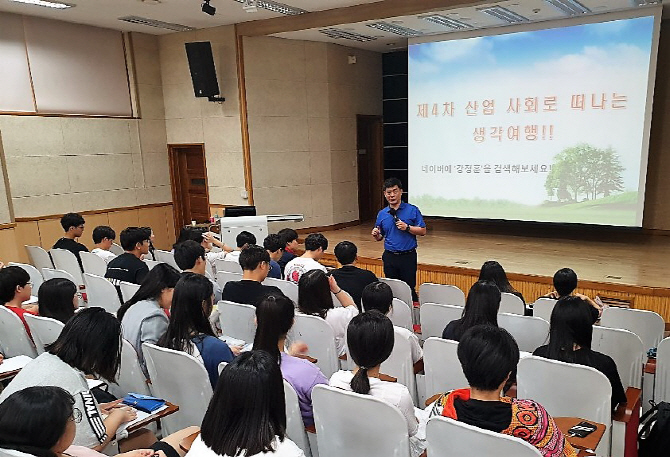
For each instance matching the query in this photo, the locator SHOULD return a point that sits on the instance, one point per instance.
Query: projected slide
(544, 125)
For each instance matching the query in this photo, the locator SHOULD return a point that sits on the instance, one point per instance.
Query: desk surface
(154, 417)
(589, 442)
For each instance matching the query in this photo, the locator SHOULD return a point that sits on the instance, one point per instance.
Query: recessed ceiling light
(504, 14)
(277, 7)
(395, 29)
(337, 34)
(645, 2)
(571, 7)
(446, 21)
(155, 23)
(46, 3)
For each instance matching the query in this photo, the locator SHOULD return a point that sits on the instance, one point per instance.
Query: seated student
(103, 238)
(247, 414)
(493, 271)
(274, 318)
(570, 341)
(379, 296)
(73, 224)
(243, 240)
(41, 421)
(565, 283)
(209, 241)
(89, 344)
(314, 299)
(143, 316)
(481, 307)
(190, 257)
(57, 299)
(151, 255)
(189, 329)
(255, 263)
(349, 276)
(370, 339)
(129, 266)
(15, 288)
(289, 239)
(488, 356)
(315, 245)
(272, 243)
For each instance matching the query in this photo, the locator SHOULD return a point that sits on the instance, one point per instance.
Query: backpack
(654, 435)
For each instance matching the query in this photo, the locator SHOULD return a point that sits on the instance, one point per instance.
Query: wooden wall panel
(9, 248)
(50, 232)
(92, 221)
(155, 218)
(119, 220)
(26, 233)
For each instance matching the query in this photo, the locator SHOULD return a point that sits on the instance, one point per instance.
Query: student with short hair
(349, 276)
(289, 239)
(315, 246)
(103, 238)
(565, 283)
(143, 316)
(190, 257)
(16, 288)
(129, 266)
(489, 356)
(273, 244)
(189, 329)
(314, 299)
(274, 319)
(481, 307)
(57, 299)
(242, 240)
(255, 263)
(73, 225)
(247, 414)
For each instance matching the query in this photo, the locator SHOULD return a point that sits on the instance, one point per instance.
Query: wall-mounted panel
(15, 91)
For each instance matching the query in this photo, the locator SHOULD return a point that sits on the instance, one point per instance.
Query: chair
(151, 263)
(400, 290)
(130, 377)
(529, 332)
(543, 307)
(116, 249)
(222, 277)
(442, 367)
(510, 303)
(67, 261)
(347, 422)
(93, 263)
(45, 330)
(400, 365)
(178, 377)
(565, 389)
(128, 289)
(320, 339)
(166, 257)
(648, 325)
(50, 273)
(662, 384)
(35, 275)
(287, 287)
(237, 320)
(449, 438)
(15, 340)
(102, 293)
(627, 351)
(39, 257)
(295, 427)
(401, 314)
(441, 293)
(435, 317)
(228, 265)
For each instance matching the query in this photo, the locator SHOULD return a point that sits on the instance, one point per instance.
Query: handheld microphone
(394, 212)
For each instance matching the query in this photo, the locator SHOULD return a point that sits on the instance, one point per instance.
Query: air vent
(155, 23)
(277, 7)
(340, 34)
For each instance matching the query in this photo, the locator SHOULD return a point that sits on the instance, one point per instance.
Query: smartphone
(582, 430)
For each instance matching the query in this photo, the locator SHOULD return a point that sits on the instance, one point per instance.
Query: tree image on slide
(584, 172)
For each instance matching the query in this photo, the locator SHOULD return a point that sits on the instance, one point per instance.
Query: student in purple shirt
(274, 317)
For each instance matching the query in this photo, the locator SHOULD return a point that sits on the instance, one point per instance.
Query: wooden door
(370, 165)
(190, 192)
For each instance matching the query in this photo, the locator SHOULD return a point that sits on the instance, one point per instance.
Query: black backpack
(654, 435)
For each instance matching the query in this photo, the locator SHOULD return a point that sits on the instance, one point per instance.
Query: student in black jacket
(73, 224)
(349, 277)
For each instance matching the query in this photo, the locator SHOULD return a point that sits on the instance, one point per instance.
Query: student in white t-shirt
(103, 238)
(242, 240)
(315, 246)
(248, 397)
(314, 298)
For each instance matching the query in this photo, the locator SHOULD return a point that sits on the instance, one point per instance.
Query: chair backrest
(566, 389)
(441, 293)
(166, 257)
(222, 277)
(295, 427)
(543, 308)
(648, 325)
(228, 265)
(320, 339)
(435, 317)
(529, 332)
(35, 275)
(151, 263)
(400, 289)
(50, 273)
(178, 377)
(102, 293)
(14, 339)
(67, 261)
(510, 303)
(401, 314)
(662, 383)
(625, 348)
(442, 367)
(93, 263)
(287, 287)
(128, 289)
(400, 365)
(339, 432)
(39, 257)
(45, 330)
(130, 377)
(449, 438)
(116, 249)
(237, 320)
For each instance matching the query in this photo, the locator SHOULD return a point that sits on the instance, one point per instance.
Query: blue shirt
(275, 270)
(397, 240)
(213, 351)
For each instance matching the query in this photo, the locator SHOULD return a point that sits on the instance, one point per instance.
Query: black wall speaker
(203, 72)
